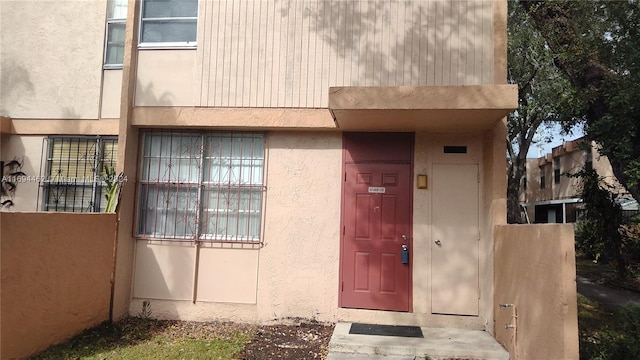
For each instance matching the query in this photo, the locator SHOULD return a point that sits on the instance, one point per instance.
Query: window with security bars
(201, 186)
(75, 167)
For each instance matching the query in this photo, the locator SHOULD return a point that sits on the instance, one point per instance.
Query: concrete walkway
(438, 343)
(606, 295)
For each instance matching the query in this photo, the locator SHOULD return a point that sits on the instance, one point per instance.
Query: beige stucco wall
(63, 127)
(51, 67)
(294, 273)
(299, 262)
(166, 78)
(111, 94)
(602, 165)
(535, 271)
(28, 150)
(55, 277)
(570, 162)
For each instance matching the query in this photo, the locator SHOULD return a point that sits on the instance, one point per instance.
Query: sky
(541, 149)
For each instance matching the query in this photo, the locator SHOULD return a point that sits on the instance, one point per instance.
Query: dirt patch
(303, 341)
(306, 340)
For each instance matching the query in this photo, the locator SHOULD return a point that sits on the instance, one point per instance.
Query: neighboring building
(332, 160)
(551, 196)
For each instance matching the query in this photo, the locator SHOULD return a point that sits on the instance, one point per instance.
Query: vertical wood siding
(287, 53)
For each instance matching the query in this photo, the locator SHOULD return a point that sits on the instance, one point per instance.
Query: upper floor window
(588, 159)
(75, 172)
(114, 40)
(543, 182)
(556, 170)
(169, 23)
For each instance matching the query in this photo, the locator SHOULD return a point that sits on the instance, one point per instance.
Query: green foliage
(588, 241)
(604, 233)
(544, 97)
(620, 341)
(595, 43)
(113, 184)
(145, 313)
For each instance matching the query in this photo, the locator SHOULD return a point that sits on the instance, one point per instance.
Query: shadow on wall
(15, 83)
(353, 29)
(70, 113)
(146, 96)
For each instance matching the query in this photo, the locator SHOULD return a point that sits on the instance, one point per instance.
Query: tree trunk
(515, 174)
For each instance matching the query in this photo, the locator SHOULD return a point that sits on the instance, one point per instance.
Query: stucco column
(127, 164)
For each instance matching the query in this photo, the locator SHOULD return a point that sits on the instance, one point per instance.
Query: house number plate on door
(377, 189)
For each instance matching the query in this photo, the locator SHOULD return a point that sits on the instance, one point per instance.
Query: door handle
(438, 242)
(405, 254)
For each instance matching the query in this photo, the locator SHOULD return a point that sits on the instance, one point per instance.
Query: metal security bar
(74, 172)
(203, 186)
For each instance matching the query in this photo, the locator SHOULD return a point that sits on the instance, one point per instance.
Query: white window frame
(110, 22)
(196, 211)
(166, 45)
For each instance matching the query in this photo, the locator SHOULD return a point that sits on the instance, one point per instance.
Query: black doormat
(386, 330)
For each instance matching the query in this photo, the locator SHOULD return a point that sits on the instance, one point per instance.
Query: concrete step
(345, 356)
(437, 344)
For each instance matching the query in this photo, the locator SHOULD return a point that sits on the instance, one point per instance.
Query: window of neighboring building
(542, 178)
(556, 170)
(75, 169)
(114, 40)
(201, 185)
(169, 23)
(588, 159)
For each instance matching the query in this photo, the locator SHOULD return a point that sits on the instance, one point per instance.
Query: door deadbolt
(438, 242)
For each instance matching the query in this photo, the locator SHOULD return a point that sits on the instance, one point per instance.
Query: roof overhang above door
(421, 108)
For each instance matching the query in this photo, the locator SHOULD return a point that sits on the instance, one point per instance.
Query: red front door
(376, 219)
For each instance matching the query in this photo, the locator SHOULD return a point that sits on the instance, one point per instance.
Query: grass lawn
(136, 338)
(139, 338)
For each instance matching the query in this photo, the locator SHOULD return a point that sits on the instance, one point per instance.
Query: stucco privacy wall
(288, 53)
(55, 277)
(535, 273)
(35, 48)
(295, 273)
